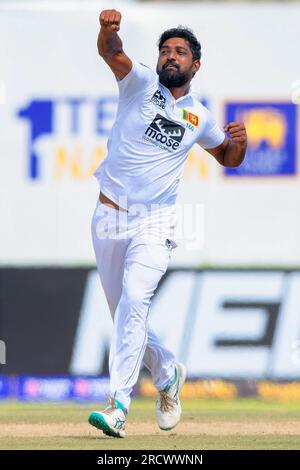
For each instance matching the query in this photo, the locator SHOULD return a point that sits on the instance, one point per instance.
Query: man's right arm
(110, 45)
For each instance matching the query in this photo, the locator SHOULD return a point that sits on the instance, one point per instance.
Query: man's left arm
(232, 151)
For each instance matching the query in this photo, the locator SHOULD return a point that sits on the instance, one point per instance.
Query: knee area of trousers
(134, 296)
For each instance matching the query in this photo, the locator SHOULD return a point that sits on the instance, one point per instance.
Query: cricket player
(159, 118)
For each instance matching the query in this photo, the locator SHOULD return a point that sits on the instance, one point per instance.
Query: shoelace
(166, 402)
(111, 407)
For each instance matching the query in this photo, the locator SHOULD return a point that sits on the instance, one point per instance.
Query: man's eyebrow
(176, 47)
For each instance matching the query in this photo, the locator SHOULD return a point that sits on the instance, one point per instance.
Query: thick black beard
(173, 79)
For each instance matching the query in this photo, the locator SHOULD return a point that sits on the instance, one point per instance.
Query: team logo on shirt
(164, 133)
(159, 99)
(191, 118)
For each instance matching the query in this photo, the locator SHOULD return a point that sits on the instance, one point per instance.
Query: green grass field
(206, 424)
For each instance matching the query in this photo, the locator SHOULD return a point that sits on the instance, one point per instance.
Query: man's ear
(196, 65)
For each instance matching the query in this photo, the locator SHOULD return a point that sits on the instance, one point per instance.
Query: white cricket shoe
(168, 407)
(111, 421)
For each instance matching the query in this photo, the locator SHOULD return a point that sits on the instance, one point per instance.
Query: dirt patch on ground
(213, 428)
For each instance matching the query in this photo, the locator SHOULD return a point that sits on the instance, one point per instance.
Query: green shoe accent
(99, 422)
(167, 429)
(167, 387)
(121, 407)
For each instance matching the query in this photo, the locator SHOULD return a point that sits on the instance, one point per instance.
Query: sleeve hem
(127, 77)
(216, 143)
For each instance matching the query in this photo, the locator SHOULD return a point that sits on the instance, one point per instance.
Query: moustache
(172, 64)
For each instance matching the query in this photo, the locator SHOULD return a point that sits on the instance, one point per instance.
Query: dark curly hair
(185, 33)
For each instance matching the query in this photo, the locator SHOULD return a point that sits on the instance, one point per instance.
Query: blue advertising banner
(4, 389)
(62, 388)
(272, 138)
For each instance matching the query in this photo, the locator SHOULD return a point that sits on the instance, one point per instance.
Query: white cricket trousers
(132, 253)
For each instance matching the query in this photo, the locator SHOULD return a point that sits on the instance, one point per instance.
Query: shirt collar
(188, 93)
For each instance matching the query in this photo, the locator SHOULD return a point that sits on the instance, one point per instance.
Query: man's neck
(178, 92)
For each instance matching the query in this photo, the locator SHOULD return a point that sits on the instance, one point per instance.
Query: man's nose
(171, 55)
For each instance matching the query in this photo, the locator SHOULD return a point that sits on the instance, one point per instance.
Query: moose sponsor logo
(159, 100)
(164, 133)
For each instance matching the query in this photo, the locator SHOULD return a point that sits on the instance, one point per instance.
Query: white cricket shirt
(150, 139)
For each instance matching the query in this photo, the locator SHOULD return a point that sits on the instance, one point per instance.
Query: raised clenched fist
(110, 20)
(237, 132)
